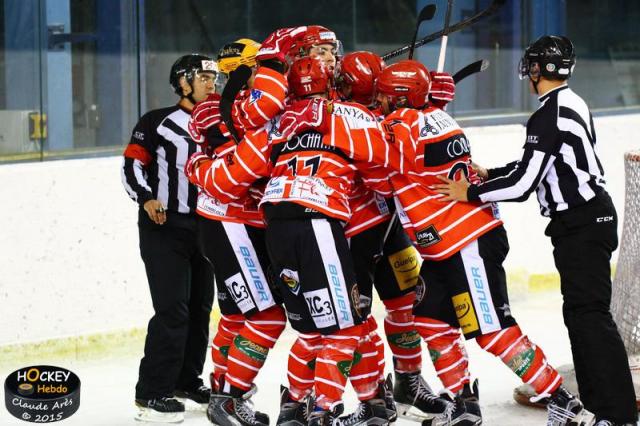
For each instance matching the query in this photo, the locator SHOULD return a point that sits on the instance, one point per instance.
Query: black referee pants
(181, 284)
(583, 239)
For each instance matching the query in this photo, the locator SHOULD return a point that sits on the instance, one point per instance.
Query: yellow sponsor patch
(464, 311)
(406, 267)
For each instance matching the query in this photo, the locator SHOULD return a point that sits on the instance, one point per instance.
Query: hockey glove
(443, 89)
(192, 164)
(205, 114)
(279, 42)
(304, 115)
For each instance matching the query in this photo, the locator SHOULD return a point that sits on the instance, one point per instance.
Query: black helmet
(189, 66)
(551, 56)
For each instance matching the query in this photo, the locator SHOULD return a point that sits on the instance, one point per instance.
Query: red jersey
(432, 144)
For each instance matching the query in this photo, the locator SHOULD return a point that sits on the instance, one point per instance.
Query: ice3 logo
(42, 393)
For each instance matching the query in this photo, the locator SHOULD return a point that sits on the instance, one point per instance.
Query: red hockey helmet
(315, 35)
(406, 83)
(357, 74)
(308, 76)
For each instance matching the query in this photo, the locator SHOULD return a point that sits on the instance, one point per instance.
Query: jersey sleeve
(229, 178)
(522, 177)
(266, 99)
(138, 155)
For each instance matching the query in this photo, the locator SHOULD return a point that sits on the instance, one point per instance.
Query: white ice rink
(108, 382)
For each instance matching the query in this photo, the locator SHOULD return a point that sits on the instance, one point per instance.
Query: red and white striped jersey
(264, 101)
(312, 169)
(432, 144)
(368, 208)
(318, 170)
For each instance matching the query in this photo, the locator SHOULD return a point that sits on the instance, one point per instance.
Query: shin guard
(228, 328)
(364, 370)
(379, 344)
(334, 363)
(403, 339)
(522, 357)
(447, 352)
(251, 346)
(301, 365)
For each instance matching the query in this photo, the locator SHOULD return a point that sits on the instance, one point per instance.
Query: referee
(180, 277)
(560, 163)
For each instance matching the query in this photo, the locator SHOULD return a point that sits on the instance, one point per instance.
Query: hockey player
(305, 200)
(232, 235)
(180, 277)
(463, 245)
(384, 256)
(560, 163)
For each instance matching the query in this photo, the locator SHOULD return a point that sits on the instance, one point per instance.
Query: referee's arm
(517, 180)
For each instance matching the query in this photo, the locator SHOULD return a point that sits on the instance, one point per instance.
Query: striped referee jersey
(155, 157)
(559, 160)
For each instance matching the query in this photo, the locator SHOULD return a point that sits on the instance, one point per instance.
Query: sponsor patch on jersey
(255, 95)
(428, 236)
(428, 129)
(291, 279)
(138, 135)
(320, 308)
(211, 206)
(406, 267)
(381, 203)
(532, 139)
(355, 117)
(239, 292)
(355, 299)
(465, 313)
(310, 189)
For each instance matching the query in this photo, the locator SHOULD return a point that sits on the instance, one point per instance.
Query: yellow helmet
(239, 52)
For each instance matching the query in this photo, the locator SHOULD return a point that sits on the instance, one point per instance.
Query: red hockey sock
(522, 357)
(251, 346)
(379, 344)
(301, 366)
(402, 335)
(334, 364)
(364, 371)
(228, 328)
(447, 351)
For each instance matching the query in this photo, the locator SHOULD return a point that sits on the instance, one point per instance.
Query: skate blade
(190, 405)
(409, 412)
(149, 415)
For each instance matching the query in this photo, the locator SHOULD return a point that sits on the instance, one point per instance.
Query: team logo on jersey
(255, 95)
(428, 236)
(320, 308)
(532, 139)
(291, 279)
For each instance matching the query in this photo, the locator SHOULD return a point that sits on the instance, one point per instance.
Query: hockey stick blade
(426, 14)
(470, 69)
(493, 7)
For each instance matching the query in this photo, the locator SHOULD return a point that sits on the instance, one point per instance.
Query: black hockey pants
(181, 284)
(583, 239)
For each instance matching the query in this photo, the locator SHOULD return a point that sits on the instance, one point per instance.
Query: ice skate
(160, 410)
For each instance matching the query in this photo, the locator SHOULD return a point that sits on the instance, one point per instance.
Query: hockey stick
(426, 14)
(493, 7)
(445, 37)
(470, 69)
(237, 80)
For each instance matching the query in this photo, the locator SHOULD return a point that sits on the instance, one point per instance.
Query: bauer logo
(42, 393)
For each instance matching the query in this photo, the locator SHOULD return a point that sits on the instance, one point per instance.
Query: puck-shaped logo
(42, 393)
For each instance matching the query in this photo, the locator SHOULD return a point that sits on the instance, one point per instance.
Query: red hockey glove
(308, 114)
(192, 164)
(443, 89)
(279, 42)
(205, 114)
